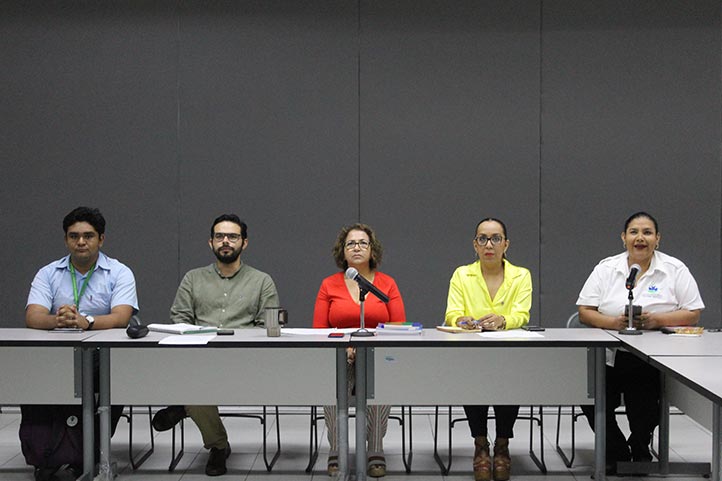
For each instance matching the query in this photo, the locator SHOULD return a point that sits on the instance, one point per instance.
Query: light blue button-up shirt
(112, 284)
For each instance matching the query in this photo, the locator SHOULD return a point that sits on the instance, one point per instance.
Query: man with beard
(226, 294)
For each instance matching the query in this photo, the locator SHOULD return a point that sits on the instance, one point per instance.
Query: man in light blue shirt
(85, 289)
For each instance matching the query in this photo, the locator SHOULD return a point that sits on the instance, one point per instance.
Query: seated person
(668, 296)
(227, 294)
(492, 294)
(338, 305)
(85, 289)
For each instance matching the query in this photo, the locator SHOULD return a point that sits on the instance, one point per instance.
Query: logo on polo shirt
(652, 291)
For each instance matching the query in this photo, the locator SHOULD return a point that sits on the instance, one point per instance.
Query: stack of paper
(399, 328)
(683, 331)
(182, 328)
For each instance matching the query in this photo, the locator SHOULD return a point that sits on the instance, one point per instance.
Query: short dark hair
(377, 250)
(85, 214)
(639, 214)
(231, 218)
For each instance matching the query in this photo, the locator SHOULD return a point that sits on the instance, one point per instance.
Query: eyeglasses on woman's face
(483, 239)
(352, 244)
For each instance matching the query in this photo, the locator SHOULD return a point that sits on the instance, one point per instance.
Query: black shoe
(168, 417)
(216, 465)
(640, 450)
(45, 474)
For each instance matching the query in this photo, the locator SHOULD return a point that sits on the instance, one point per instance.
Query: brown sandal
(482, 459)
(502, 460)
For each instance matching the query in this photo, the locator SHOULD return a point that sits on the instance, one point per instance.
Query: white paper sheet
(187, 340)
(513, 334)
(315, 332)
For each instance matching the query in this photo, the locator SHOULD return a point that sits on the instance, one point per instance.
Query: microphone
(364, 284)
(632, 279)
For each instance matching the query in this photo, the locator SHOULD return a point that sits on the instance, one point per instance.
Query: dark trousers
(639, 382)
(505, 416)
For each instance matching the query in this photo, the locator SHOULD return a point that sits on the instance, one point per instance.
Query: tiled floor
(689, 443)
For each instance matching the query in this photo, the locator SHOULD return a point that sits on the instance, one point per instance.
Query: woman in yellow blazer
(492, 294)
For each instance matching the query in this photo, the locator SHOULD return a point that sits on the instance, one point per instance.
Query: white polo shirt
(666, 286)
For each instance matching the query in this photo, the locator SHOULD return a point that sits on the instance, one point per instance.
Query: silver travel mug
(274, 317)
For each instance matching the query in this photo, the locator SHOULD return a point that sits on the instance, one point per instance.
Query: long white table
(702, 374)
(40, 367)
(441, 368)
(247, 368)
(564, 366)
(45, 367)
(654, 345)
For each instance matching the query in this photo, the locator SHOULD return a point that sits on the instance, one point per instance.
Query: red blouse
(335, 307)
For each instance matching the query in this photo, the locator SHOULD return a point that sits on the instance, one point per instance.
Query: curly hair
(339, 248)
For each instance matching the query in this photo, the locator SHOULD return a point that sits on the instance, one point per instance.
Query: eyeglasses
(363, 245)
(219, 236)
(496, 239)
(87, 236)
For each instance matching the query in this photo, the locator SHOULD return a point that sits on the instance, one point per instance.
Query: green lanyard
(76, 296)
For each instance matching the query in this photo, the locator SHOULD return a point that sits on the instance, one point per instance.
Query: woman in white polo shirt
(668, 296)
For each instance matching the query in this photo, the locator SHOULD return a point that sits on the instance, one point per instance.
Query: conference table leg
(600, 407)
(716, 442)
(105, 472)
(342, 411)
(360, 414)
(663, 454)
(88, 414)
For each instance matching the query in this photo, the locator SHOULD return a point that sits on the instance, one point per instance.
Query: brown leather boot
(482, 459)
(502, 460)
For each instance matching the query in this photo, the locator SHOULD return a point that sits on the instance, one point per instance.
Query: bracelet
(503, 323)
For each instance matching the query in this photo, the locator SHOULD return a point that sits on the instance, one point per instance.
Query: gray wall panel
(87, 117)
(631, 122)
(269, 130)
(449, 130)
(416, 117)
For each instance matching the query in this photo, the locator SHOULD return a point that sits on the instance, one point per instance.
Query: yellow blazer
(469, 295)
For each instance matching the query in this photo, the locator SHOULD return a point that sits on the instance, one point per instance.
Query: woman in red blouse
(337, 305)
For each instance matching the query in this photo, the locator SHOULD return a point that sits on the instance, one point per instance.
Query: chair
(176, 456)
(572, 322)
(313, 441)
(539, 461)
(137, 461)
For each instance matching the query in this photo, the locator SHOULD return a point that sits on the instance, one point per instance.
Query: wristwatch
(91, 321)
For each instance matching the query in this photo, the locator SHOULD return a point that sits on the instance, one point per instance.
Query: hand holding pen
(468, 323)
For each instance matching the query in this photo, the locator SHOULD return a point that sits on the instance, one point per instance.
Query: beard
(227, 258)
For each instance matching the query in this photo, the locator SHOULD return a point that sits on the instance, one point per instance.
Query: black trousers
(505, 417)
(639, 382)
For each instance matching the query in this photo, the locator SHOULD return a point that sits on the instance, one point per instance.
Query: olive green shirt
(206, 298)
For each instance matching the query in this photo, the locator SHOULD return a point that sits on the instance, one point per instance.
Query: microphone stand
(630, 330)
(363, 332)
